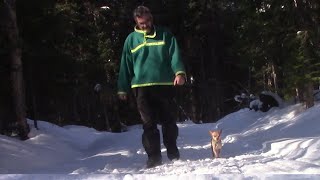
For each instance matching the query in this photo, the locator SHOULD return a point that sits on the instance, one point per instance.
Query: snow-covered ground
(281, 143)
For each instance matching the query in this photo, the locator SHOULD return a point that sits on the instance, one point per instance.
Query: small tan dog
(216, 143)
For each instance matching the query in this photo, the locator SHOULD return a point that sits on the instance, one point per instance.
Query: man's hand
(179, 80)
(122, 97)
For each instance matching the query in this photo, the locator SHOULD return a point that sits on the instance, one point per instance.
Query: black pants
(155, 105)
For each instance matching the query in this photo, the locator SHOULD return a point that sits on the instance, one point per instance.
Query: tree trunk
(106, 118)
(35, 112)
(75, 113)
(309, 95)
(274, 76)
(16, 69)
(299, 95)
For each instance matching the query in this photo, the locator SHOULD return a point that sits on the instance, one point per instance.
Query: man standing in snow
(151, 65)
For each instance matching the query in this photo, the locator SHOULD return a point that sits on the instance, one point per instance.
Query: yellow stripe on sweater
(151, 84)
(159, 43)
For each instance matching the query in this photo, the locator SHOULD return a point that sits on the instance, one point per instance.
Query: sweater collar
(145, 33)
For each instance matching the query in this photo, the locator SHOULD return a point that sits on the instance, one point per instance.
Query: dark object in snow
(268, 102)
(264, 103)
(16, 130)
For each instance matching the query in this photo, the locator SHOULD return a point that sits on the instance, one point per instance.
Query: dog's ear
(211, 133)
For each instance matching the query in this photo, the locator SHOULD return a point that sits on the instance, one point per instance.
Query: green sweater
(149, 60)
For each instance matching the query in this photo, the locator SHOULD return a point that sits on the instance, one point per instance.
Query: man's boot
(151, 143)
(154, 161)
(170, 135)
(173, 153)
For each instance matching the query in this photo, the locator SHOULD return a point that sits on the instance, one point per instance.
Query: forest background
(60, 58)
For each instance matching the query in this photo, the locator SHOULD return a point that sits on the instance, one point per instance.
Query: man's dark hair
(141, 11)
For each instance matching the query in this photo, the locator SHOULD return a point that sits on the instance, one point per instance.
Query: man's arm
(176, 63)
(125, 73)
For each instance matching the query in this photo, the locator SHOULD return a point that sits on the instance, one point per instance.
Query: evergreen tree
(13, 64)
